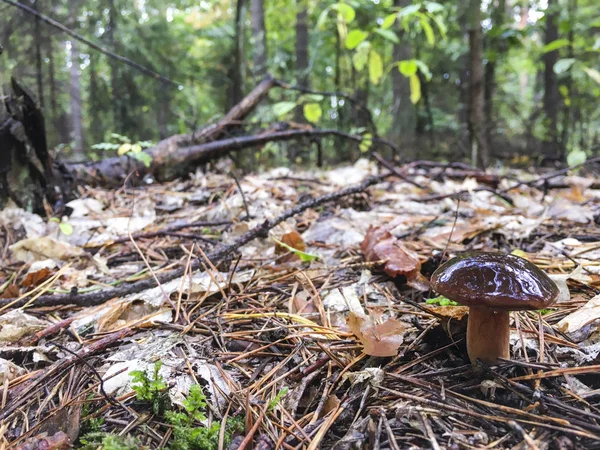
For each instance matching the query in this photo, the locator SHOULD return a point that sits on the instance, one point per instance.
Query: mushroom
(492, 285)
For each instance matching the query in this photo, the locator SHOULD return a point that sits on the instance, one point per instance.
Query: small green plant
(64, 226)
(273, 403)
(152, 390)
(109, 441)
(124, 146)
(442, 301)
(187, 435)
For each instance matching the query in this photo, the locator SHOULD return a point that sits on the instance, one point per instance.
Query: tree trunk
(551, 95)
(236, 74)
(403, 111)
(38, 55)
(259, 37)
(523, 17)
(75, 97)
(302, 44)
(568, 83)
(495, 45)
(480, 152)
(115, 82)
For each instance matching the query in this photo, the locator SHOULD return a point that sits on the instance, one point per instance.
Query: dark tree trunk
(302, 44)
(38, 55)
(551, 147)
(480, 153)
(496, 46)
(403, 111)
(115, 82)
(236, 73)
(568, 83)
(259, 37)
(75, 96)
(523, 16)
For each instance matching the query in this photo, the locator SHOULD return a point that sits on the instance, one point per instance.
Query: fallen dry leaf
(378, 339)
(380, 245)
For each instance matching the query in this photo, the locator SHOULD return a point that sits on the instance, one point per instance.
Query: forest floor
(299, 334)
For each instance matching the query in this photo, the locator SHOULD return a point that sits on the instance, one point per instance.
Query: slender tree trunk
(94, 108)
(236, 73)
(568, 83)
(480, 152)
(38, 55)
(496, 47)
(302, 43)
(75, 96)
(115, 82)
(551, 94)
(259, 37)
(523, 17)
(403, 111)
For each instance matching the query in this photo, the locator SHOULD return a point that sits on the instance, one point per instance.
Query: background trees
(459, 80)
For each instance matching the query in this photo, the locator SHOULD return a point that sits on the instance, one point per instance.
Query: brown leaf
(12, 291)
(380, 245)
(36, 278)
(378, 339)
(57, 441)
(294, 240)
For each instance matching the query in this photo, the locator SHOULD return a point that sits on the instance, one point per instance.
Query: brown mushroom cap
(496, 281)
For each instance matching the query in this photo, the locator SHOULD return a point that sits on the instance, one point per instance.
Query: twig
(262, 230)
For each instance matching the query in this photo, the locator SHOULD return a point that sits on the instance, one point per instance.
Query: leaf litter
(315, 331)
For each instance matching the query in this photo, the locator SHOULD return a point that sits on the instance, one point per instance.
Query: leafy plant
(109, 441)
(442, 301)
(151, 390)
(124, 146)
(65, 227)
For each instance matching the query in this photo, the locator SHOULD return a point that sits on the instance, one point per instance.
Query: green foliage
(273, 403)
(151, 388)
(442, 301)
(312, 112)
(304, 257)
(123, 146)
(188, 433)
(109, 441)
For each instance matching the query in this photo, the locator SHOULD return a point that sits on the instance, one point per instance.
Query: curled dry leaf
(380, 245)
(57, 441)
(378, 339)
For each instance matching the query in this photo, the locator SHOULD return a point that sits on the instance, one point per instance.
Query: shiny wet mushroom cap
(492, 285)
(495, 280)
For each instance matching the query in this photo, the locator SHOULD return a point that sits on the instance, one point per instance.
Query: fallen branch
(218, 255)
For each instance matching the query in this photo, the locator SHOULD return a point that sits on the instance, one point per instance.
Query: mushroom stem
(487, 334)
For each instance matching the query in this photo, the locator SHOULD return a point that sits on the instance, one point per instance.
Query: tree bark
(403, 111)
(568, 83)
(236, 73)
(480, 152)
(38, 55)
(75, 97)
(259, 37)
(115, 82)
(302, 44)
(523, 17)
(551, 146)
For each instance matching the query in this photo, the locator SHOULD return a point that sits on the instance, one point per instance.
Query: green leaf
(424, 69)
(304, 257)
(308, 98)
(365, 144)
(282, 108)
(312, 112)
(415, 89)
(387, 34)
(143, 157)
(355, 37)
(408, 67)
(345, 11)
(409, 10)
(433, 7)
(66, 228)
(388, 21)
(375, 67)
(322, 19)
(427, 29)
(576, 157)
(593, 74)
(441, 300)
(361, 55)
(555, 45)
(441, 25)
(124, 148)
(564, 64)
(136, 148)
